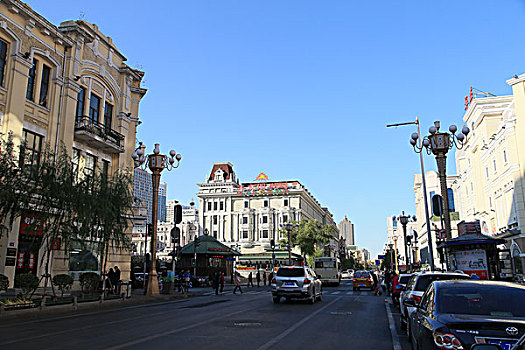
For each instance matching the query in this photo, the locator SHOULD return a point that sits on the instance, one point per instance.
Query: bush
(89, 281)
(27, 282)
(63, 282)
(4, 282)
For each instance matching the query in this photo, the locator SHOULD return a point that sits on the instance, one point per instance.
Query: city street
(344, 319)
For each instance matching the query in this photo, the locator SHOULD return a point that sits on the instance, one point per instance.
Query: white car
(347, 274)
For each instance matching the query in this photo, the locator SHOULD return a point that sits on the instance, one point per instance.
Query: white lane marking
(335, 293)
(278, 338)
(395, 338)
(349, 293)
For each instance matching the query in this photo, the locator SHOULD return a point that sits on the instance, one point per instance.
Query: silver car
(296, 282)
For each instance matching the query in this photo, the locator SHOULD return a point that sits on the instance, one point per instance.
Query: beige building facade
(248, 215)
(491, 169)
(64, 85)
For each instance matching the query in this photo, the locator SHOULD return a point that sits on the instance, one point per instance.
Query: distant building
(143, 191)
(346, 230)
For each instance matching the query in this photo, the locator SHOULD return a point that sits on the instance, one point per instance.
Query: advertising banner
(471, 262)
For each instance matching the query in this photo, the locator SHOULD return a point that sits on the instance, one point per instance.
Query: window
(244, 219)
(94, 107)
(81, 97)
(490, 202)
(75, 161)
(91, 164)
(246, 204)
(221, 205)
(265, 234)
(209, 206)
(504, 154)
(31, 81)
(494, 162)
(105, 168)
(3, 54)
(285, 218)
(487, 171)
(265, 219)
(215, 219)
(286, 202)
(214, 205)
(44, 86)
(244, 234)
(31, 150)
(108, 115)
(265, 203)
(451, 205)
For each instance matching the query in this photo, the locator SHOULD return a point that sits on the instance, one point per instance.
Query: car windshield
(324, 264)
(482, 301)
(290, 272)
(424, 281)
(362, 275)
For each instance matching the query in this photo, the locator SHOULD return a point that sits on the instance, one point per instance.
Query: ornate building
(248, 215)
(67, 84)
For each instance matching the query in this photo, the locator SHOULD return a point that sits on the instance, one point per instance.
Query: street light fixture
(395, 253)
(439, 143)
(289, 226)
(156, 162)
(405, 219)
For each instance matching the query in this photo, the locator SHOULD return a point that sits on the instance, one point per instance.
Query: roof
(209, 245)
(476, 284)
(226, 167)
(471, 238)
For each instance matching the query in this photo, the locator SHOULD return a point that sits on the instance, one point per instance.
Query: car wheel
(276, 300)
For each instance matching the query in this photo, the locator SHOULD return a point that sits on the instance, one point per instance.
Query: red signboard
(56, 244)
(31, 224)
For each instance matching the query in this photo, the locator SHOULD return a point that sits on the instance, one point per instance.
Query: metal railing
(85, 123)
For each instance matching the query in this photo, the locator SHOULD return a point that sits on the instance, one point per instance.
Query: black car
(458, 314)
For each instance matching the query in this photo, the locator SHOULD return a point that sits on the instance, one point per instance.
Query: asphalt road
(343, 320)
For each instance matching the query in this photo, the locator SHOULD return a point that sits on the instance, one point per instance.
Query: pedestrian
(377, 290)
(388, 281)
(395, 282)
(270, 277)
(258, 277)
(216, 282)
(374, 278)
(237, 283)
(110, 280)
(250, 280)
(116, 285)
(222, 281)
(187, 280)
(264, 278)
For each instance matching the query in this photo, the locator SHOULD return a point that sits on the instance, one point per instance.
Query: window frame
(34, 150)
(94, 113)
(45, 83)
(3, 60)
(108, 115)
(31, 80)
(81, 103)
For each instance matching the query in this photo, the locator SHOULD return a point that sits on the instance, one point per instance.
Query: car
(402, 283)
(460, 314)
(362, 279)
(416, 287)
(298, 282)
(347, 274)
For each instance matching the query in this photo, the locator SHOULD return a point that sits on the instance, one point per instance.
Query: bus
(328, 270)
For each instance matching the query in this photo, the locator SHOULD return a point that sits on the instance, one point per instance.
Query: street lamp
(423, 182)
(289, 226)
(405, 219)
(390, 245)
(156, 162)
(395, 253)
(438, 143)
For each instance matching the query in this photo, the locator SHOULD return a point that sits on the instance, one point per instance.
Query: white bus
(328, 270)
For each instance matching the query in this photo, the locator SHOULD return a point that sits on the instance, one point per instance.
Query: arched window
(518, 267)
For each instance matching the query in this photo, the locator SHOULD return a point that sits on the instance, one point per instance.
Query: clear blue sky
(303, 89)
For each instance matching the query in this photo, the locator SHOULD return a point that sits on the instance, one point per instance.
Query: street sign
(230, 259)
(441, 234)
(381, 256)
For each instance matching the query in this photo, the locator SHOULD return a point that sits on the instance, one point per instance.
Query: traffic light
(272, 243)
(192, 261)
(175, 235)
(177, 214)
(149, 229)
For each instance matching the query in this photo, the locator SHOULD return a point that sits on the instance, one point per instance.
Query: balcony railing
(100, 135)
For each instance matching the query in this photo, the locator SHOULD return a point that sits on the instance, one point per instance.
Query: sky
(303, 90)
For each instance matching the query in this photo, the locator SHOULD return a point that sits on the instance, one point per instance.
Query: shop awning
(473, 238)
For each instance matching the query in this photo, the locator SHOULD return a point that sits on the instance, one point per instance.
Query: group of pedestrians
(218, 282)
(113, 279)
(258, 278)
(217, 279)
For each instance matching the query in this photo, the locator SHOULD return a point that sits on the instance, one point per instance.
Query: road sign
(442, 234)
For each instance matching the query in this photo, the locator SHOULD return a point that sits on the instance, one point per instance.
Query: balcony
(98, 135)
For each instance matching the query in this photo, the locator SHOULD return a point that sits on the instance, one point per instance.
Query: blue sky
(303, 89)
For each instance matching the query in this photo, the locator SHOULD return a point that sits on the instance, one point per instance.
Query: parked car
(347, 274)
(362, 279)
(296, 282)
(459, 314)
(416, 287)
(401, 286)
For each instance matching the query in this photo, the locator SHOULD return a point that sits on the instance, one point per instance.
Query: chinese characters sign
(265, 189)
(472, 262)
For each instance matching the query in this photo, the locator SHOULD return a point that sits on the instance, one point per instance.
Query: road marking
(278, 338)
(335, 293)
(395, 338)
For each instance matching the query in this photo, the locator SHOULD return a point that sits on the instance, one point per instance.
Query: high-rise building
(346, 230)
(143, 191)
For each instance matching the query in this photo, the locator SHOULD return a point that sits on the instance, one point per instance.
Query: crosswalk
(325, 292)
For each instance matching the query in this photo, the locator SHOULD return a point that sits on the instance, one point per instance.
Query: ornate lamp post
(405, 219)
(156, 162)
(438, 143)
(395, 253)
(390, 245)
(288, 226)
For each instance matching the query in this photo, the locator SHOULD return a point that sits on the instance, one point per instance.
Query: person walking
(221, 281)
(110, 279)
(264, 278)
(116, 285)
(216, 279)
(388, 280)
(374, 278)
(258, 278)
(250, 280)
(237, 283)
(395, 282)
